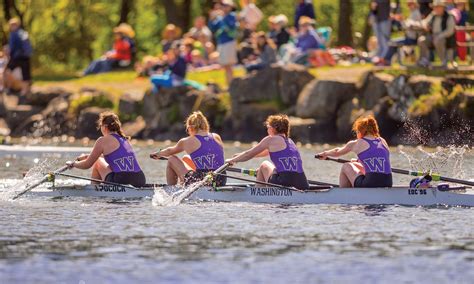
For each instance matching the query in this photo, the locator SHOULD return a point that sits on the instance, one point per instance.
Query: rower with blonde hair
(286, 167)
(205, 150)
(372, 169)
(112, 159)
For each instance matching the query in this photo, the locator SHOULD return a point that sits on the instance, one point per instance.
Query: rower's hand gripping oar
(435, 177)
(207, 179)
(46, 178)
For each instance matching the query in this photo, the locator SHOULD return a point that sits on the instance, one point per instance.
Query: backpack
(27, 49)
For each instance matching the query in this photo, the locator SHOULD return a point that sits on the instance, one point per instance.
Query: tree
(125, 9)
(344, 32)
(178, 14)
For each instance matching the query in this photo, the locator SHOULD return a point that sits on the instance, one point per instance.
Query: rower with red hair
(372, 169)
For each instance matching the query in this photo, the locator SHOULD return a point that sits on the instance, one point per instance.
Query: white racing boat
(457, 196)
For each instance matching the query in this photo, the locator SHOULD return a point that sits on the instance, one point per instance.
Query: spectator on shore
(169, 34)
(304, 8)
(174, 73)
(120, 55)
(250, 15)
(278, 31)
(223, 23)
(460, 15)
(410, 25)
(129, 35)
(200, 31)
(440, 26)
(380, 14)
(19, 54)
(307, 40)
(266, 50)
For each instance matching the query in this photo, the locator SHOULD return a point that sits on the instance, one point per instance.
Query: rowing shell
(247, 193)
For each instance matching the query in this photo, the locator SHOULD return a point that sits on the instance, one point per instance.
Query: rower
(372, 169)
(119, 163)
(287, 166)
(206, 151)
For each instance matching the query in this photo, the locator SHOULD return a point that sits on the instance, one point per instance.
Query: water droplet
(7, 164)
(36, 160)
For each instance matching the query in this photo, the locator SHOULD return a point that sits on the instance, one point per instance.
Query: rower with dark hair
(372, 169)
(205, 150)
(287, 166)
(112, 159)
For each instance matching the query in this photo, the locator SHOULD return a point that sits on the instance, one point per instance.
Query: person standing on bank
(112, 158)
(20, 52)
(372, 169)
(380, 14)
(223, 24)
(286, 167)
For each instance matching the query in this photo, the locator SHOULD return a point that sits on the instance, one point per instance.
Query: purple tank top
(123, 159)
(210, 156)
(376, 159)
(288, 159)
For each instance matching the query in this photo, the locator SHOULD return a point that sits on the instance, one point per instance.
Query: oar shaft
(436, 177)
(94, 180)
(46, 178)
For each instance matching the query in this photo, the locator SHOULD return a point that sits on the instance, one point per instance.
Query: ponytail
(112, 122)
(197, 121)
(366, 126)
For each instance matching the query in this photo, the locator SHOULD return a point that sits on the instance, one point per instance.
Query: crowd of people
(230, 36)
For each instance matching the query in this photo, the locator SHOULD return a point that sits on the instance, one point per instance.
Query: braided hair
(112, 122)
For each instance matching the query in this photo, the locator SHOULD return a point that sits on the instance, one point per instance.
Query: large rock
(373, 87)
(293, 78)
(277, 83)
(134, 128)
(346, 115)
(248, 125)
(87, 122)
(20, 113)
(4, 129)
(388, 126)
(421, 84)
(130, 106)
(309, 130)
(321, 99)
(41, 96)
(450, 81)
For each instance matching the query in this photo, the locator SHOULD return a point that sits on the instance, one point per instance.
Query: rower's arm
(256, 151)
(339, 151)
(173, 150)
(93, 156)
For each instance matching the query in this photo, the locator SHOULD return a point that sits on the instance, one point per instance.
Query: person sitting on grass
(120, 55)
(266, 51)
(174, 72)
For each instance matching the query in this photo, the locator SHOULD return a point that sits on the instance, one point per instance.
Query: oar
(206, 179)
(253, 173)
(436, 177)
(102, 181)
(46, 178)
(261, 182)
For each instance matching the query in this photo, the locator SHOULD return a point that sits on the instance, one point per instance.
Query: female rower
(372, 169)
(287, 167)
(206, 150)
(112, 159)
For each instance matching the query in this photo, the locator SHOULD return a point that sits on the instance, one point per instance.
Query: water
(74, 240)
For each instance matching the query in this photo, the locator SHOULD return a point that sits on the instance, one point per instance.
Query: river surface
(80, 240)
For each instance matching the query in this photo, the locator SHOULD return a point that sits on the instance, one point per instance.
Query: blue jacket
(309, 40)
(304, 9)
(178, 68)
(19, 44)
(224, 28)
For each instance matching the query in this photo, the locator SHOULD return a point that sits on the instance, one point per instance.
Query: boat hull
(241, 193)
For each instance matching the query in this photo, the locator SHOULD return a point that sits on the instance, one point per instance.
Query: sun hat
(439, 3)
(281, 19)
(305, 21)
(125, 29)
(228, 3)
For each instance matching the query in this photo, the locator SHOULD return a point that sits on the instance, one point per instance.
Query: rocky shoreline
(410, 109)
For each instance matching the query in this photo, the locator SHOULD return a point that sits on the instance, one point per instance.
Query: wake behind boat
(451, 196)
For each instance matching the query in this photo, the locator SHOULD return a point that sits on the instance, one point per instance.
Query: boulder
(87, 122)
(165, 98)
(321, 99)
(373, 87)
(309, 130)
(256, 87)
(346, 115)
(41, 96)
(293, 78)
(134, 128)
(399, 89)
(450, 81)
(388, 127)
(247, 124)
(130, 106)
(20, 113)
(421, 84)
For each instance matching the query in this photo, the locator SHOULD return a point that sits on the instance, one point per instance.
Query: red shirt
(122, 50)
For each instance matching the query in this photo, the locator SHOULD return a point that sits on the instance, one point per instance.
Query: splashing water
(449, 160)
(33, 175)
(174, 195)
